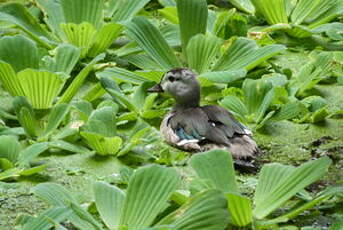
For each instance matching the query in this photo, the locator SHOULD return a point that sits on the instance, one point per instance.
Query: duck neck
(188, 101)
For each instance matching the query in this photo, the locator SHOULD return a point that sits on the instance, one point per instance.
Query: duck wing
(225, 121)
(194, 124)
(191, 123)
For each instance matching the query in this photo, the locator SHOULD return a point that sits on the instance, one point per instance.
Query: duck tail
(243, 147)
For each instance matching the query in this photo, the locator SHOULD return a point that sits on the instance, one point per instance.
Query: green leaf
(60, 144)
(109, 202)
(309, 11)
(102, 121)
(278, 183)
(140, 94)
(192, 19)
(57, 195)
(224, 76)
(76, 84)
(201, 51)
(170, 13)
(10, 173)
(53, 15)
(26, 115)
(113, 89)
(152, 42)
(240, 209)
(42, 222)
(66, 57)
(121, 75)
(149, 189)
(81, 35)
(127, 9)
(17, 14)
(104, 38)
(217, 167)
(31, 152)
(244, 5)
(257, 95)
(274, 11)
(79, 11)
(235, 105)
(244, 53)
(40, 87)
(143, 61)
(33, 170)
(101, 144)
(290, 110)
(9, 148)
(56, 116)
(9, 80)
(11, 47)
(204, 211)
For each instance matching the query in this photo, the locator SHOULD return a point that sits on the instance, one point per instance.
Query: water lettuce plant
(276, 185)
(140, 207)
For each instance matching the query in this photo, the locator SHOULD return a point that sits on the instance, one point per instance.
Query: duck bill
(156, 89)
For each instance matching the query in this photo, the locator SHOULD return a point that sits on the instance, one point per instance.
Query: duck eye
(171, 79)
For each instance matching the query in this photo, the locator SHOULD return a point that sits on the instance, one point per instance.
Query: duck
(194, 128)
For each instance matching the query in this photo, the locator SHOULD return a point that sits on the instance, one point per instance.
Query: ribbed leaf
(79, 11)
(310, 10)
(277, 184)
(42, 222)
(81, 35)
(78, 80)
(240, 209)
(149, 189)
(17, 14)
(121, 75)
(255, 92)
(26, 116)
(143, 61)
(9, 148)
(109, 202)
(63, 145)
(40, 87)
(11, 47)
(204, 211)
(217, 167)
(126, 9)
(53, 15)
(102, 121)
(64, 60)
(235, 105)
(9, 80)
(244, 53)
(274, 11)
(56, 116)
(192, 19)
(201, 51)
(224, 76)
(31, 152)
(170, 13)
(244, 5)
(151, 41)
(113, 89)
(290, 110)
(104, 38)
(101, 144)
(56, 195)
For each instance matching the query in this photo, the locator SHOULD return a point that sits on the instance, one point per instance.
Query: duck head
(182, 85)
